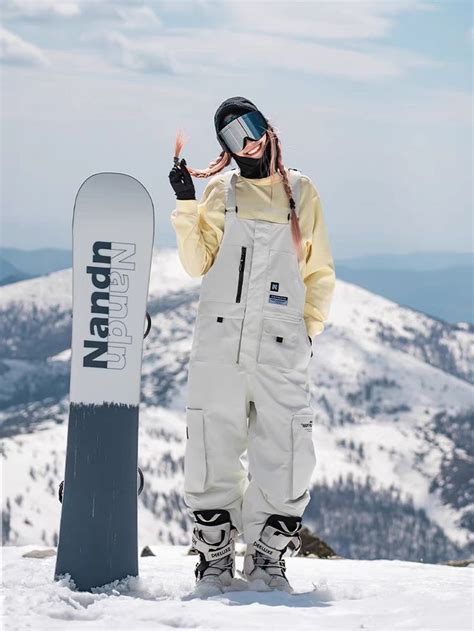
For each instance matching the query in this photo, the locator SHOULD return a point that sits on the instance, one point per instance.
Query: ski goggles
(250, 125)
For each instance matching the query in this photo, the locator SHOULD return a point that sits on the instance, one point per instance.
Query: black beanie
(234, 105)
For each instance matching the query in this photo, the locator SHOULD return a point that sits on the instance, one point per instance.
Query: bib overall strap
(294, 178)
(230, 178)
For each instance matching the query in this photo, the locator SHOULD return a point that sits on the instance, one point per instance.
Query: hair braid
(216, 166)
(295, 225)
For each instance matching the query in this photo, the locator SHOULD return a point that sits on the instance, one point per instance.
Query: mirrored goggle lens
(251, 125)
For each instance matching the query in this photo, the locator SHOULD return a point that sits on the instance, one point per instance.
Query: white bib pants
(248, 377)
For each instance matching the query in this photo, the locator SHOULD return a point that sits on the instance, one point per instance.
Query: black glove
(181, 181)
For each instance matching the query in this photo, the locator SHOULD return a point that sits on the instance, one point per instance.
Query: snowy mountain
(392, 388)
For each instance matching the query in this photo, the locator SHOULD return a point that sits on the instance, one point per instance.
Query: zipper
(240, 339)
(241, 273)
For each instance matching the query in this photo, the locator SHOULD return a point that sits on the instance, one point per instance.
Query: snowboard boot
(264, 558)
(214, 538)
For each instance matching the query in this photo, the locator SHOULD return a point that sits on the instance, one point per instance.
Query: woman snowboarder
(259, 240)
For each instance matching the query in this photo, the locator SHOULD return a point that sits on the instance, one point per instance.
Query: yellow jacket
(199, 229)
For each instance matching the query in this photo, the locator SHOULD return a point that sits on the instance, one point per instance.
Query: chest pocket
(285, 289)
(227, 280)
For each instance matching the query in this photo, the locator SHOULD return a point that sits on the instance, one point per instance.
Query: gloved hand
(181, 181)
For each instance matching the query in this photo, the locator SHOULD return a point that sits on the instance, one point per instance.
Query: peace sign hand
(181, 181)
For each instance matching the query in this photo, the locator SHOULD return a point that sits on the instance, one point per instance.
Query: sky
(372, 100)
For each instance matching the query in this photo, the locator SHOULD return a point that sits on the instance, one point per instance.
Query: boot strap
(291, 549)
(212, 554)
(271, 553)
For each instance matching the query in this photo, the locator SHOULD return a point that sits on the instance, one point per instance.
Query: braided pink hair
(224, 159)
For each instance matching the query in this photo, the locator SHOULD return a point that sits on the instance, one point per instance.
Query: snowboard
(113, 227)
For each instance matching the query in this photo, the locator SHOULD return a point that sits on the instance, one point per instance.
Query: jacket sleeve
(319, 274)
(199, 228)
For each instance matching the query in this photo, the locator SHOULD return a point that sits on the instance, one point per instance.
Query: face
(253, 148)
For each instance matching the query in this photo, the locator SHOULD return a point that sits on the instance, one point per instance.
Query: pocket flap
(283, 328)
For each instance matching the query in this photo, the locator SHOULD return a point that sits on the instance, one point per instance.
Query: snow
(330, 594)
(46, 291)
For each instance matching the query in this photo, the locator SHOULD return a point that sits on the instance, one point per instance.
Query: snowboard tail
(99, 520)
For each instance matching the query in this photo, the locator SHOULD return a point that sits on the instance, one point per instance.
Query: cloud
(18, 9)
(368, 20)
(338, 39)
(15, 50)
(149, 57)
(138, 18)
(240, 40)
(204, 51)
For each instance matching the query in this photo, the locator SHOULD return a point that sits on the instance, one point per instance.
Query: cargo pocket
(303, 455)
(283, 343)
(195, 465)
(217, 338)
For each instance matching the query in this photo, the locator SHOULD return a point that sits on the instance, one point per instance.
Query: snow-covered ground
(330, 594)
